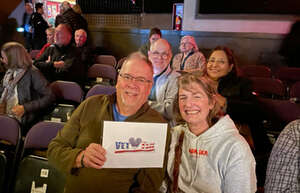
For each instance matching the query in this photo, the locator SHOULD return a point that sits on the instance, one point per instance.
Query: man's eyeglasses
(128, 77)
(217, 61)
(163, 55)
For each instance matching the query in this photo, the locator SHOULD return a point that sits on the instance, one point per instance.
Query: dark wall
(249, 7)
(250, 48)
(127, 6)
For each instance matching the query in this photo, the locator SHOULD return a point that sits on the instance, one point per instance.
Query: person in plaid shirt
(283, 172)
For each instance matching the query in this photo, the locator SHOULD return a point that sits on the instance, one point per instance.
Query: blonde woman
(207, 153)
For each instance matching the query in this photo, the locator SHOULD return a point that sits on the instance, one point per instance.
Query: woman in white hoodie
(207, 153)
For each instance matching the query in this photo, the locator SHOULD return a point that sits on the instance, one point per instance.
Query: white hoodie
(217, 161)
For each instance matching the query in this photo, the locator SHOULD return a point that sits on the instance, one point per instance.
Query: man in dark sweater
(77, 150)
(61, 61)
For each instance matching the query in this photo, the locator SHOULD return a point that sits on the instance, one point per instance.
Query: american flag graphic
(144, 147)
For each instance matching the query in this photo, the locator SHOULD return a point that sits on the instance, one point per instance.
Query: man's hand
(18, 110)
(49, 59)
(59, 64)
(94, 157)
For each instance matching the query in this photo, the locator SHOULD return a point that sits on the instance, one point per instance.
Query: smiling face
(160, 55)
(80, 37)
(218, 65)
(194, 105)
(131, 93)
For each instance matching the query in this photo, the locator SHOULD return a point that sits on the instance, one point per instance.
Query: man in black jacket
(61, 61)
(39, 26)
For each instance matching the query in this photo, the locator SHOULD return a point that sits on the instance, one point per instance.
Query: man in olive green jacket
(76, 150)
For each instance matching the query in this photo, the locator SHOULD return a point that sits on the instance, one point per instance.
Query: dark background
(126, 6)
(249, 7)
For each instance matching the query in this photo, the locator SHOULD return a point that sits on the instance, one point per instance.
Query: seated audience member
(189, 58)
(69, 16)
(61, 60)
(242, 105)
(207, 153)
(76, 150)
(154, 35)
(50, 40)
(164, 87)
(24, 88)
(81, 44)
(80, 38)
(283, 173)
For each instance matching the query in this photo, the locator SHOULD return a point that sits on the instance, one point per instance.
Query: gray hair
(139, 55)
(192, 41)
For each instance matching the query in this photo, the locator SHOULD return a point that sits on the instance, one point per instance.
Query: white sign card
(134, 145)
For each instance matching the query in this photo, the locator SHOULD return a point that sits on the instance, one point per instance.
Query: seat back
(289, 75)
(256, 71)
(40, 135)
(67, 90)
(10, 136)
(68, 97)
(100, 89)
(279, 112)
(35, 174)
(295, 90)
(9, 130)
(106, 59)
(103, 71)
(268, 87)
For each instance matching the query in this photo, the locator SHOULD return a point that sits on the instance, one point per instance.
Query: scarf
(10, 81)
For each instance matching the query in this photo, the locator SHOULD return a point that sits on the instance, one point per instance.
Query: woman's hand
(92, 157)
(18, 110)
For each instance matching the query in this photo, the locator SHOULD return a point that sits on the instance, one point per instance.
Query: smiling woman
(207, 153)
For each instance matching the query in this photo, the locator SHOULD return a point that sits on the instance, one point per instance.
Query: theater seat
(256, 71)
(34, 172)
(101, 74)
(10, 139)
(106, 59)
(100, 89)
(68, 96)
